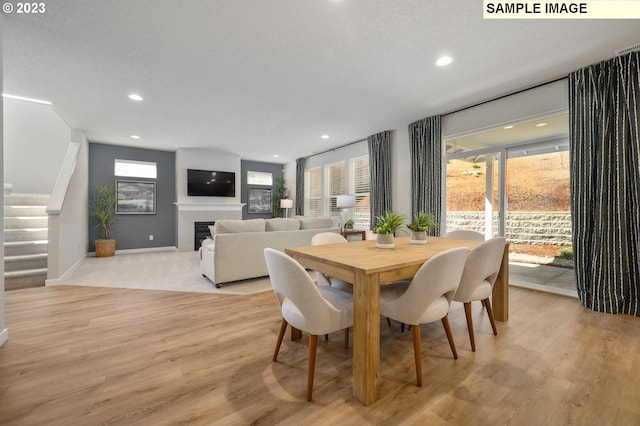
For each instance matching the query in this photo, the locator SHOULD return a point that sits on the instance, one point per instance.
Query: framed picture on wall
(259, 200)
(135, 197)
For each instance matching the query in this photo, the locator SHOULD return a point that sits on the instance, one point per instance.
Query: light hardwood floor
(82, 355)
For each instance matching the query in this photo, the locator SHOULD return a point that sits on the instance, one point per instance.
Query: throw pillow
(235, 226)
(315, 222)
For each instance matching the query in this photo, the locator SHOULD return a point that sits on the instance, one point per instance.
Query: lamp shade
(285, 203)
(345, 201)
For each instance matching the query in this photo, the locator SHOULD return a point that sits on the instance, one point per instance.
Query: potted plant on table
(348, 224)
(386, 228)
(102, 202)
(419, 227)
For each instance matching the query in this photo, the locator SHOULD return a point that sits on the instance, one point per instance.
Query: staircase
(25, 240)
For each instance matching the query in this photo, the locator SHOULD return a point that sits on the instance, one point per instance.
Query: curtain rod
(337, 147)
(506, 95)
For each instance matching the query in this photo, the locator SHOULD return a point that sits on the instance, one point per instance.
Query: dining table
(367, 268)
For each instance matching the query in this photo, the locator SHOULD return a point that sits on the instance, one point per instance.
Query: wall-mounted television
(210, 183)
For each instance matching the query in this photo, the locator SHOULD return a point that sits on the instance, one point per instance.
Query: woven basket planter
(105, 248)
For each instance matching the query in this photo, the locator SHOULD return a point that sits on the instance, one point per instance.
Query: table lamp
(346, 202)
(286, 204)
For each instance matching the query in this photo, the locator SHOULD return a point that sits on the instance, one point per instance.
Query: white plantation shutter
(360, 188)
(313, 192)
(335, 186)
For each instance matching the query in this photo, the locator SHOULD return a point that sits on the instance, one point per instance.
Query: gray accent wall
(132, 231)
(275, 169)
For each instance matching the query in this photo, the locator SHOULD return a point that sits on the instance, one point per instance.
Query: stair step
(31, 234)
(20, 222)
(21, 279)
(16, 210)
(17, 248)
(25, 262)
(26, 199)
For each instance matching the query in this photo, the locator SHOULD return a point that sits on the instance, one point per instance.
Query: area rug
(158, 270)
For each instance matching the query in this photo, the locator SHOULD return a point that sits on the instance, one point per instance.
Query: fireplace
(201, 232)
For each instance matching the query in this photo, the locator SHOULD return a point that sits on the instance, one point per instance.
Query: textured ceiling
(258, 78)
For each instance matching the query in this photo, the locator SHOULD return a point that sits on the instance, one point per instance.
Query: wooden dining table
(367, 268)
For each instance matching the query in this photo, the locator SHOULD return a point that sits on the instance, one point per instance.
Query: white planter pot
(418, 237)
(385, 241)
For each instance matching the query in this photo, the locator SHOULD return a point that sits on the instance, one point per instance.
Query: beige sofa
(236, 249)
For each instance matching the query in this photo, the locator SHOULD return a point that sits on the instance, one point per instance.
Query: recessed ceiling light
(444, 60)
(541, 124)
(135, 97)
(325, 136)
(276, 156)
(135, 137)
(21, 98)
(508, 127)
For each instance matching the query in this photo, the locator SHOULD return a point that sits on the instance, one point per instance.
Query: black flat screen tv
(210, 183)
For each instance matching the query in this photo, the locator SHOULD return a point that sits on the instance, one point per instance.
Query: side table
(348, 232)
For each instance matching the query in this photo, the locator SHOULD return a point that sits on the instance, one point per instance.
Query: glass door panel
(472, 194)
(538, 216)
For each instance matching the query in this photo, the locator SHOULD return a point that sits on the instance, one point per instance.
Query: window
(335, 186)
(259, 178)
(313, 192)
(360, 188)
(138, 169)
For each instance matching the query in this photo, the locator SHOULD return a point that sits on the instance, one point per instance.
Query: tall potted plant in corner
(102, 202)
(419, 227)
(386, 227)
(279, 193)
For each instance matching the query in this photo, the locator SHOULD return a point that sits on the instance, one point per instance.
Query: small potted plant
(386, 227)
(419, 227)
(102, 202)
(348, 224)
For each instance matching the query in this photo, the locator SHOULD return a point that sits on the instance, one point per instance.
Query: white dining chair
(463, 234)
(330, 238)
(480, 273)
(315, 310)
(426, 298)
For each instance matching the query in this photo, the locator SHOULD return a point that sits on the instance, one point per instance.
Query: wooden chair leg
(487, 304)
(326, 337)
(388, 322)
(467, 312)
(401, 327)
(447, 329)
(416, 353)
(346, 338)
(313, 343)
(283, 328)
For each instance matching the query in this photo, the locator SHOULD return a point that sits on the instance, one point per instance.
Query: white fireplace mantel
(210, 206)
(189, 213)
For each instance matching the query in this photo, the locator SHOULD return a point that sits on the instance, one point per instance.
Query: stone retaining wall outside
(541, 228)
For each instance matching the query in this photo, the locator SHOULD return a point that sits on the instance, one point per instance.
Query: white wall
(36, 140)
(4, 333)
(541, 101)
(68, 230)
(205, 159)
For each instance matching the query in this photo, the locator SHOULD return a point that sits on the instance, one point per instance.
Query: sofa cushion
(282, 224)
(212, 230)
(227, 226)
(315, 222)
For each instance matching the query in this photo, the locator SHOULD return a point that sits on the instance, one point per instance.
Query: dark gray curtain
(604, 108)
(300, 163)
(425, 139)
(380, 174)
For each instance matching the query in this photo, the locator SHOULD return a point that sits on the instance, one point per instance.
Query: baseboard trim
(4, 336)
(141, 250)
(546, 289)
(58, 281)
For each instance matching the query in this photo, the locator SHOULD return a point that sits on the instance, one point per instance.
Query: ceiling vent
(634, 48)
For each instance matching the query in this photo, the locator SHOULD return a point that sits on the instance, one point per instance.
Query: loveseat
(235, 250)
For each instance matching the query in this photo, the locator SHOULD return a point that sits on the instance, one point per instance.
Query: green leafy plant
(279, 193)
(422, 222)
(388, 223)
(348, 224)
(566, 253)
(102, 202)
